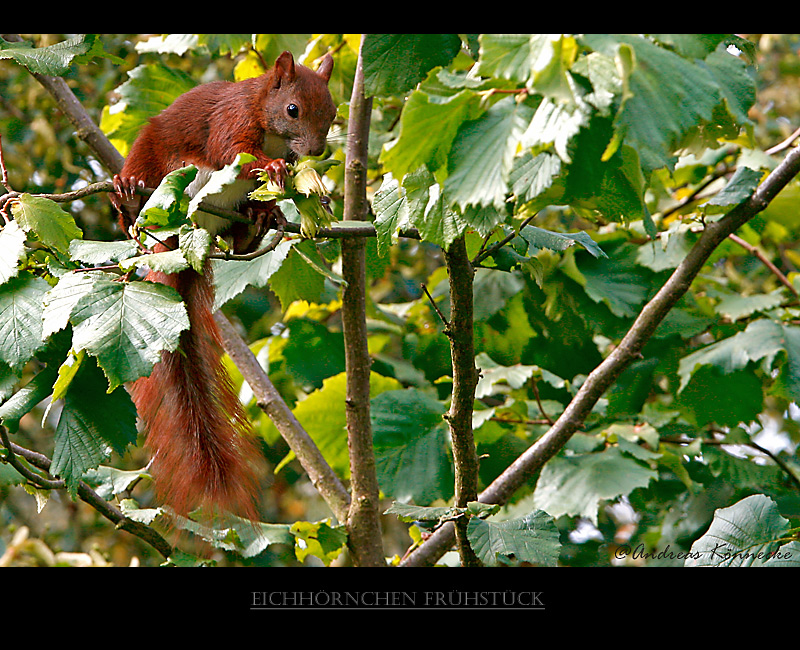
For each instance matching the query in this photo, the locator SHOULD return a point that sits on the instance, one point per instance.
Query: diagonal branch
(602, 377)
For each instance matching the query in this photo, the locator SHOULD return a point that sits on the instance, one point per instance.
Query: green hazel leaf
(92, 421)
(539, 238)
(428, 126)
(296, 279)
(427, 209)
(195, 244)
(492, 290)
(53, 226)
(12, 250)
(492, 373)
(126, 325)
(615, 280)
(149, 90)
(540, 61)
(691, 46)
(167, 205)
(736, 306)
(482, 154)
(761, 340)
(21, 319)
(110, 481)
(531, 176)
(751, 532)
(166, 262)
(53, 60)
(27, 397)
(313, 352)
(740, 188)
(391, 213)
(667, 100)
(59, 301)
(533, 538)
(231, 277)
(395, 63)
(736, 83)
(100, 252)
(507, 56)
(410, 437)
(575, 485)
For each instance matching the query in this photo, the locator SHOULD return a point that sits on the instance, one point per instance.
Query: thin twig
(783, 145)
(436, 307)
(753, 250)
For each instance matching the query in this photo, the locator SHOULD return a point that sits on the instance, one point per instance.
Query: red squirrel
(202, 447)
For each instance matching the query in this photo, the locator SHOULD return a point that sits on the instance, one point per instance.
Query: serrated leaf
(575, 485)
(428, 126)
(53, 60)
(21, 319)
(168, 262)
(148, 91)
(539, 238)
(428, 209)
(492, 373)
(296, 279)
(231, 277)
(649, 118)
(99, 252)
(53, 226)
(59, 301)
(533, 538)
(395, 63)
(761, 340)
(167, 205)
(195, 244)
(92, 422)
(740, 188)
(482, 154)
(410, 437)
(751, 532)
(127, 325)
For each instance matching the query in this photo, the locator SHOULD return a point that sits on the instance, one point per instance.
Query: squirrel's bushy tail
(203, 450)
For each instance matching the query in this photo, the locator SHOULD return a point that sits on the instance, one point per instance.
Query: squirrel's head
(297, 106)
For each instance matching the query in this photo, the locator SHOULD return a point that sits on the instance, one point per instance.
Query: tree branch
(465, 378)
(270, 401)
(602, 377)
(85, 493)
(363, 523)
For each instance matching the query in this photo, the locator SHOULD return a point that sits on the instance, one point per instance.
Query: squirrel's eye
(292, 110)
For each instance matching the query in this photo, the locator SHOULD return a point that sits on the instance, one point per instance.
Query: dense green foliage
(579, 170)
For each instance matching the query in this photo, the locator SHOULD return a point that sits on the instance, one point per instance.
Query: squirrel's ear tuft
(326, 67)
(284, 69)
